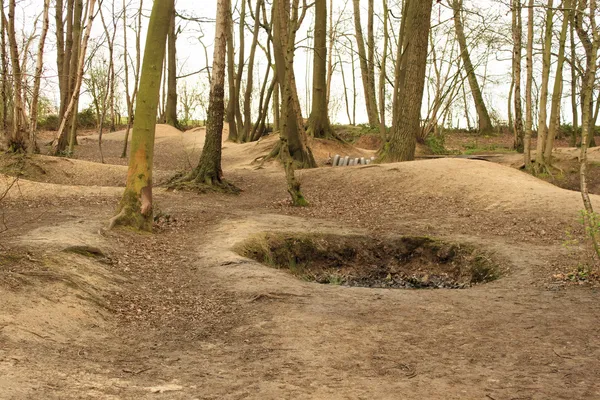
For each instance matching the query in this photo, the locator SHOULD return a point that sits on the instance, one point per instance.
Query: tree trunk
(543, 113)
(246, 137)
(209, 170)
(135, 208)
(517, 32)
(528, 89)
(382, 74)
(136, 75)
(368, 84)
(590, 45)
(17, 140)
(231, 105)
(33, 147)
(318, 123)
(574, 108)
(171, 107)
(5, 88)
(68, 117)
(558, 85)
(401, 146)
(292, 129)
(485, 123)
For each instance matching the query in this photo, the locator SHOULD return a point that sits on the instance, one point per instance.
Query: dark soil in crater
(407, 262)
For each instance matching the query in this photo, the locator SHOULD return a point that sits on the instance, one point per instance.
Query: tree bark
(136, 75)
(135, 208)
(540, 162)
(209, 170)
(171, 107)
(517, 32)
(33, 147)
(401, 146)
(231, 105)
(485, 123)
(558, 84)
(528, 89)
(17, 140)
(318, 122)
(368, 83)
(292, 130)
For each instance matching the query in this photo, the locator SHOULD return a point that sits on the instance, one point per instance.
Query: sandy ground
(95, 314)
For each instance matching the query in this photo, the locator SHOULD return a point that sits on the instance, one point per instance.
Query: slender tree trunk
(17, 141)
(231, 78)
(250, 76)
(543, 113)
(5, 88)
(71, 108)
(136, 75)
(517, 32)
(528, 89)
(401, 146)
(33, 147)
(590, 44)
(240, 70)
(382, 74)
(318, 123)
(574, 108)
(485, 123)
(558, 84)
(135, 208)
(368, 84)
(171, 107)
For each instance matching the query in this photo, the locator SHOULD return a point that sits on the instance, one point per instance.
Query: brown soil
(408, 262)
(95, 314)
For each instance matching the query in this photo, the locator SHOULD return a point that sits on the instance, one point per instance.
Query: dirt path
(179, 315)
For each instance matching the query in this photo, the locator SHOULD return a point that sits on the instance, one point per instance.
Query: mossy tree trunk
(135, 208)
(318, 122)
(403, 138)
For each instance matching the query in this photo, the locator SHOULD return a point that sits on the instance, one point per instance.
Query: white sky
(191, 54)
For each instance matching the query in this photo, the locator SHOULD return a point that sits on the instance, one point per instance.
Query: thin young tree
(135, 208)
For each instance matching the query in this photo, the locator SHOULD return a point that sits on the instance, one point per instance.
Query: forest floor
(178, 314)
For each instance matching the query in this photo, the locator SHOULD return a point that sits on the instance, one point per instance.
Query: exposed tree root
(191, 183)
